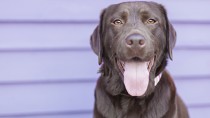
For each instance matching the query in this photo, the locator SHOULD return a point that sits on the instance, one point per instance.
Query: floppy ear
(95, 39)
(171, 40)
(170, 35)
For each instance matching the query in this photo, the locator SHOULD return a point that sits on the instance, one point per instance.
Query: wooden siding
(47, 69)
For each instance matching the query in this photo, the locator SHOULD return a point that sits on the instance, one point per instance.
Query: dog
(133, 42)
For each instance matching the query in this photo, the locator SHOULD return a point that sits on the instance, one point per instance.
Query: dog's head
(135, 39)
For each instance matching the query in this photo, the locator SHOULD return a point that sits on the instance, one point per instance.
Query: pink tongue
(136, 78)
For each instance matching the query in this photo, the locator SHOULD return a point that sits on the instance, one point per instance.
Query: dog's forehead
(139, 6)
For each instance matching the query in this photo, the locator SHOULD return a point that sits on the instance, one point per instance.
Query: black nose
(135, 40)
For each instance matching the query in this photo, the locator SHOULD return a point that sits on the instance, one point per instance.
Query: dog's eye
(151, 21)
(117, 22)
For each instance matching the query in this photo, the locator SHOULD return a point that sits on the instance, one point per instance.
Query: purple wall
(47, 69)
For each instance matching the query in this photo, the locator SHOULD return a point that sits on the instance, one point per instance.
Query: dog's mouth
(136, 75)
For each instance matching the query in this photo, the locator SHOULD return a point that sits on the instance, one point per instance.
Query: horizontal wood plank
(48, 66)
(194, 113)
(190, 62)
(66, 97)
(73, 65)
(14, 37)
(50, 115)
(194, 91)
(192, 35)
(80, 10)
(45, 36)
(46, 98)
(199, 112)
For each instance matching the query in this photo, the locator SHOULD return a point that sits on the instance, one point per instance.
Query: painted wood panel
(55, 36)
(42, 98)
(48, 66)
(70, 97)
(194, 113)
(193, 91)
(199, 112)
(45, 36)
(61, 114)
(89, 10)
(190, 63)
(43, 44)
(72, 65)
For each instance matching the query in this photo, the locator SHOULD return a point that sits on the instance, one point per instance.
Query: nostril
(141, 42)
(129, 42)
(135, 40)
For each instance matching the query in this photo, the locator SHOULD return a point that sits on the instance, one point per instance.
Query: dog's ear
(96, 39)
(171, 39)
(170, 35)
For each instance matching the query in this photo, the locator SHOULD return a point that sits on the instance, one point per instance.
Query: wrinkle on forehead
(136, 7)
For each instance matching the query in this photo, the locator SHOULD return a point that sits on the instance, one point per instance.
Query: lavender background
(47, 69)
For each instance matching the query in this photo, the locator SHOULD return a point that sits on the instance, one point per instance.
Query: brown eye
(151, 21)
(117, 22)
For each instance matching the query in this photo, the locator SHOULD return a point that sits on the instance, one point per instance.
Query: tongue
(136, 78)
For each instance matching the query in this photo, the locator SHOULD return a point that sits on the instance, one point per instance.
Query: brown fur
(107, 41)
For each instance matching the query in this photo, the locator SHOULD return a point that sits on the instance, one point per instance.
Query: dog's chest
(132, 108)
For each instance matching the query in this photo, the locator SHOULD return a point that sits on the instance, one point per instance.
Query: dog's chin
(136, 75)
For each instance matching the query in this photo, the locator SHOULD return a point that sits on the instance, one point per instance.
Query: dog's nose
(135, 40)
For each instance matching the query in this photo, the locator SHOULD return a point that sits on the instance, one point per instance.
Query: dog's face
(134, 38)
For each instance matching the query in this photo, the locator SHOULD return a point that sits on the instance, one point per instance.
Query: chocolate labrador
(133, 42)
